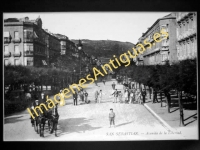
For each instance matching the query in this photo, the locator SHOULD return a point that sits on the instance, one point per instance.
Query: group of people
(130, 96)
(81, 95)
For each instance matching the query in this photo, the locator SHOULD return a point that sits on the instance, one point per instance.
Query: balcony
(39, 41)
(187, 34)
(28, 53)
(7, 40)
(27, 40)
(165, 48)
(8, 54)
(180, 37)
(191, 32)
(17, 54)
(16, 40)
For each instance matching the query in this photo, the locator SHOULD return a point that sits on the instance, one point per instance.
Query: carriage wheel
(38, 129)
(51, 125)
(35, 126)
(56, 129)
(41, 132)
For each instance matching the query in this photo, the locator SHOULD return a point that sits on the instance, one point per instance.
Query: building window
(16, 50)
(164, 57)
(177, 31)
(17, 62)
(29, 61)
(28, 35)
(16, 35)
(188, 49)
(6, 50)
(6, 37)
(6, 62)
(28, 49)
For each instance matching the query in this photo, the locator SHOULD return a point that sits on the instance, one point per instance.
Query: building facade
(63, 43)
(24, 42)
(186, 35)
(27, 43)
(53, 47)
(162, 51)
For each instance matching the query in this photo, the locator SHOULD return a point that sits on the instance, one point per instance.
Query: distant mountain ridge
(104, 48)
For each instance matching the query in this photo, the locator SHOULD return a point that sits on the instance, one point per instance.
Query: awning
(44, 62)
(6, 34)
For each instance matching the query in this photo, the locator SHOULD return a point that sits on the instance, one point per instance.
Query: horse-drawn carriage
(50, 116)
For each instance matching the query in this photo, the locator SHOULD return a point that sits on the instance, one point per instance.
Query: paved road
(89, 122)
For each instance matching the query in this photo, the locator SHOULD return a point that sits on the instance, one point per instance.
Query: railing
(7, 54)
(28, 53)
(165, 48)
(7, 40)
(16, 40)
(17, 54)
(26, 40)
(39, 41)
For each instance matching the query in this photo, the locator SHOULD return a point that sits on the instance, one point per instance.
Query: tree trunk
(150, 92)
(168, 100)
(161, 98)
(181, 108)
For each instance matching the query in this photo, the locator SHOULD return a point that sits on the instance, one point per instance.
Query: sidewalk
(172, 120)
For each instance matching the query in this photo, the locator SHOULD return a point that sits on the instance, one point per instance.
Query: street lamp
(80, 49)
(74, 76)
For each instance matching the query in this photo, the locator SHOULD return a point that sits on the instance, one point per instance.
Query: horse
(43, 117)
(54, 120)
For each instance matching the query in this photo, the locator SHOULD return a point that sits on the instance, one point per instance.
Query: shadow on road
(174, 110)
(13, 119)
(78, 125)
(122, 124)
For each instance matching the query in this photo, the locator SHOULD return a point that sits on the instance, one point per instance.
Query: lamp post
(80, 49)
(74, 76)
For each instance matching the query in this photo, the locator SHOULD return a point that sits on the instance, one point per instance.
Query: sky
(117, 26)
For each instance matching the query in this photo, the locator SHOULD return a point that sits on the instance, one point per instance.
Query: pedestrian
(131, 97)
(112, 117)
(113, 85)
(42, 96)
(138, 97)
(86, 96)
(96, 95)
(62, 98)
(132, 84)
(120, 97)
(100, 96)
(143, 93)
(95, 83)
(126, 93)
(155, 99)
(129, 85)
(82, 95)
(104, 81)
(75, 96)
(134, 94)
(115, 96)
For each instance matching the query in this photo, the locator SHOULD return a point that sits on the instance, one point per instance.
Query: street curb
(159, 118)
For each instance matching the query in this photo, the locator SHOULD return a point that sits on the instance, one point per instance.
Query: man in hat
(115, 96)
(143, 93)
(75, 95)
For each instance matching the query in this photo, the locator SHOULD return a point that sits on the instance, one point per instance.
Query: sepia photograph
(100, 76)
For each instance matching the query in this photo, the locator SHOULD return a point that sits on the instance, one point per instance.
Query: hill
(104, 48)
